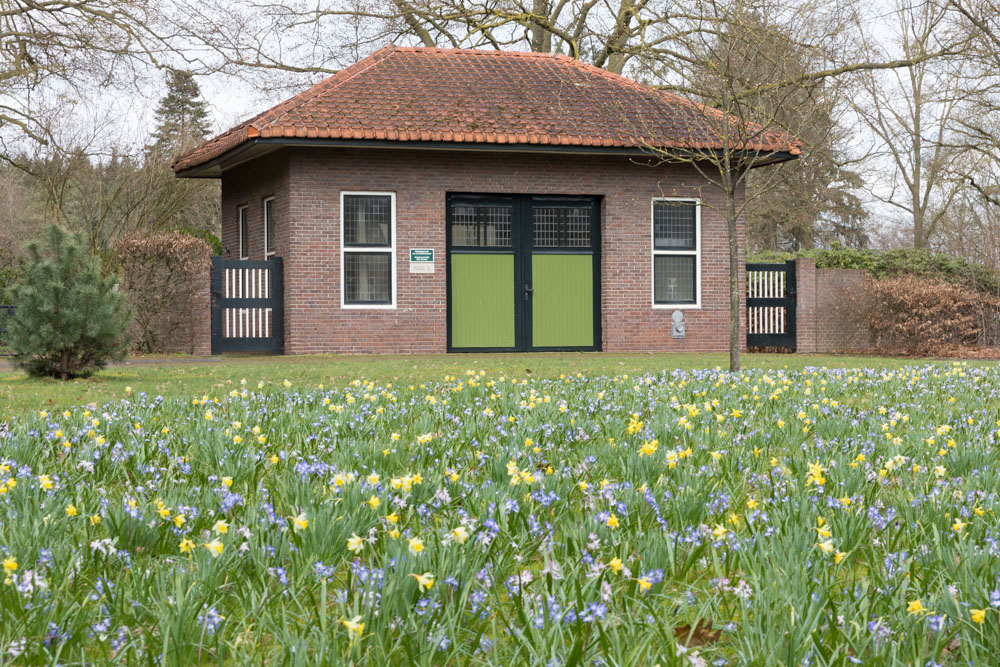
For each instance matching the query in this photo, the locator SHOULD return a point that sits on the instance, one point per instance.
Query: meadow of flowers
(824, 517)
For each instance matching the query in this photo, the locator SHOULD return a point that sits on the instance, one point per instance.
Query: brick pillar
(201, 316)
(805, 304)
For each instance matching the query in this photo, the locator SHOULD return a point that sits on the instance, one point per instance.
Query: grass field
(180, 376)
(821, 517)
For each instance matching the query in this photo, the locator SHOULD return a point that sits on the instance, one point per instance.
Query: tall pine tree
(181, 117)
(182, 122)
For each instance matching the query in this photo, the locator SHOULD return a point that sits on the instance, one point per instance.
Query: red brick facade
(307, 182)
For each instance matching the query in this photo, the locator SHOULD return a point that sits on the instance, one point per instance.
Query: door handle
(527, 291)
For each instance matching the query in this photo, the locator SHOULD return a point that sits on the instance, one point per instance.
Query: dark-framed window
(368, 248)
(561, 226)
(269, 227)
(243, 225)
(676, 249)
(481, 225)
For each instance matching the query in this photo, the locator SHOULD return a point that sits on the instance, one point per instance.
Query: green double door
(523, 273)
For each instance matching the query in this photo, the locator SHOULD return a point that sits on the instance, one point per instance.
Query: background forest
(896, 102)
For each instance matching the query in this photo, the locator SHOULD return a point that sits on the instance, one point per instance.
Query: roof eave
(214, 167)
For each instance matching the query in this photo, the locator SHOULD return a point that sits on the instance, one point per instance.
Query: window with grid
(269, 223)
(676, 252)
(481, 226)
(244, 232)
(561, 227)
(367, 231)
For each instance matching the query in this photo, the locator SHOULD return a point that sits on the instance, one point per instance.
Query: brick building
(425, 200)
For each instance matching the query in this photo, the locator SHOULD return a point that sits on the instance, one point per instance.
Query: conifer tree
(181, 117)
(70, 318)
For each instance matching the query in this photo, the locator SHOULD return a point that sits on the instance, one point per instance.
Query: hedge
(897, 264)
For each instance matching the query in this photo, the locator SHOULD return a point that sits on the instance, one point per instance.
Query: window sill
(676, 306)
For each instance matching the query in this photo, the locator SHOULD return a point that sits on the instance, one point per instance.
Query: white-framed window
(368, 249)
(269, 223)
(676, 250)
(244, 231)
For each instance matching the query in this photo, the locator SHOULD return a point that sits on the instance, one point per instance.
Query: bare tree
(760, 98)
(54, 49)
(911, 112)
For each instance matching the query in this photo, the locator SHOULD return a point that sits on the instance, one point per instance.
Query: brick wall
(830, 309)
(307, 184)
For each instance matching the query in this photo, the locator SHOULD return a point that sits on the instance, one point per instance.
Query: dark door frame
(522, 248)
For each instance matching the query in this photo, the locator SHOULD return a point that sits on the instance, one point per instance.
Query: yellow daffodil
(915, 607)
(416, 546)
(354, 627)
(978, 615)
(355, 544)
(424, 581)
(215, 548)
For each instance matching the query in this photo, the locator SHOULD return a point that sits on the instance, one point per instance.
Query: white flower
(17, 647)
(743, 590)
(105, 546)
(553, 568)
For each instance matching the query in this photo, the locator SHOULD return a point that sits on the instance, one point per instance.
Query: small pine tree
(70, 318)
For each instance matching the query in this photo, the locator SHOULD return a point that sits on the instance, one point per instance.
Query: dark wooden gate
(771, 305)
(247, 306)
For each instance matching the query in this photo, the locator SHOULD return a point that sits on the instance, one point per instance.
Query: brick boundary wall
(189, 322)
(830, 309)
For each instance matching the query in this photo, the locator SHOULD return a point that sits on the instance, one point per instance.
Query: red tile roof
(484, 97)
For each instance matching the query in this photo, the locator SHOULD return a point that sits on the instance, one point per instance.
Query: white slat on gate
(766, 285)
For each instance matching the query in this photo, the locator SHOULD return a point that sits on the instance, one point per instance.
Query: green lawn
(177, 376)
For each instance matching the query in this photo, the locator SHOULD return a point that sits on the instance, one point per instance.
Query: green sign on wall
(421, 254)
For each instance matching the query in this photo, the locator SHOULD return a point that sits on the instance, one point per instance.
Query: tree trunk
(541, 39)
(64, 365)
(734, 277)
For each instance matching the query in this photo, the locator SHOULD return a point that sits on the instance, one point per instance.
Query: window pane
(559, 227)
(244, 234)
(463, 226)
(673, 225)
(496, 226)
(578, 227)
(367, 277)
(367, 219)
(546, 227)
(673, 279)
(481, 226)
(269, 225)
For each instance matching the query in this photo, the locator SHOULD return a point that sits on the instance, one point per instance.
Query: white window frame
(242, 224)
(686, 253)
(267, 223)
(378, 249)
